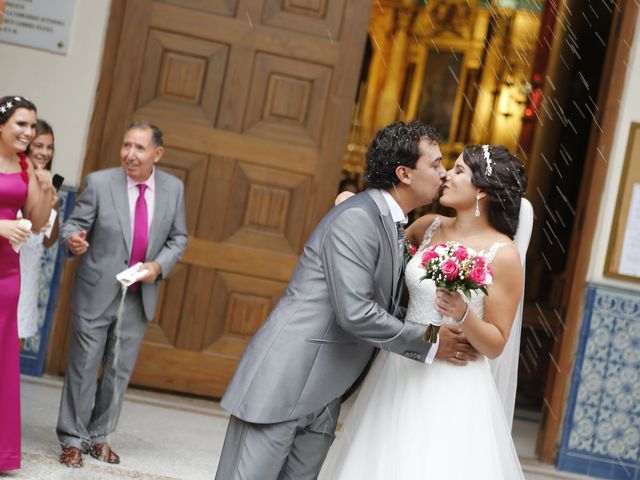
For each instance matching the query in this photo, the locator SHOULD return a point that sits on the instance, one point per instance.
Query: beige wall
(62, 86)
(629, 112)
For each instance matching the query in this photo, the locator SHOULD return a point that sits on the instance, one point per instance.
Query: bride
(442, 421)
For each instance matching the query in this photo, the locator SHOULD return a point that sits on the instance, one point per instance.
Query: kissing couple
(438, 410)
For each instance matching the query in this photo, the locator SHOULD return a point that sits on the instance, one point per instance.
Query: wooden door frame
(60, 335)
(596, 168)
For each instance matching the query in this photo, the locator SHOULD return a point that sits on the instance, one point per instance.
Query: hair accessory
(487, 159)
(7, 106)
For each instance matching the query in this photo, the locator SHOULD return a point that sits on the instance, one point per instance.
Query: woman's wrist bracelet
(464, 315)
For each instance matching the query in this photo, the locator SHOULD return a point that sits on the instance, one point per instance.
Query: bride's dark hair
(504, 187)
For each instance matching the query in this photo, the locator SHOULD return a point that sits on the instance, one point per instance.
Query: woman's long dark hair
(10, 103)
(504, 187)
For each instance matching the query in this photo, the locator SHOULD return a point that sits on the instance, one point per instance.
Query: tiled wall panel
(601, 435)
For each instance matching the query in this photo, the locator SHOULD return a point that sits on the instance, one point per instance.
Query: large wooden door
(254, 98)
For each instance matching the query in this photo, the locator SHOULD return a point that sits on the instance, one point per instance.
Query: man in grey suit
(340, 306)
(122, 217)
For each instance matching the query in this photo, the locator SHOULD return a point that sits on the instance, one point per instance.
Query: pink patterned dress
(13, 193)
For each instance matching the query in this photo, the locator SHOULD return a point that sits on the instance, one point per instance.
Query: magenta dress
(13, 193)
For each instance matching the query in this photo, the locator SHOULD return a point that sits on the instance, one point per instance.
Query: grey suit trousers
(89, 410)
(291, 450)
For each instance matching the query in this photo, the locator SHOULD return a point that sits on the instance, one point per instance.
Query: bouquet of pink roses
(454, 267)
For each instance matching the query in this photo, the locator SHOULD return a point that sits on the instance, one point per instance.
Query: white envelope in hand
(131, 275)
(23, 222)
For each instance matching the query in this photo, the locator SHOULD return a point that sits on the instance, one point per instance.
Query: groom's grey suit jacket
(320, 336)
(102, 209)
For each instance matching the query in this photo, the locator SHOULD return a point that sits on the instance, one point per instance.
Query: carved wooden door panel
(255, 100)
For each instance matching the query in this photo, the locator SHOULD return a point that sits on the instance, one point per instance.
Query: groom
(284, 399)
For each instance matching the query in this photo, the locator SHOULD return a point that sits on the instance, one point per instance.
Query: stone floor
(165, 437)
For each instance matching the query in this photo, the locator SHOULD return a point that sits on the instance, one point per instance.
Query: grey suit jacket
(321, 335)
(102, 209)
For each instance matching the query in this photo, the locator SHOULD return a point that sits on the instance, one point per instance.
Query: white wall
(63, 87)
(629, 112)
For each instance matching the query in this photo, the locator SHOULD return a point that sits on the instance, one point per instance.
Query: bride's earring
(477, 205)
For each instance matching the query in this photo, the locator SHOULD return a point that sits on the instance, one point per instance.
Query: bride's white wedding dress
(434, 422)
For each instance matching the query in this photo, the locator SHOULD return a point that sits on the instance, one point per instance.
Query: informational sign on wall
(42, 24)
(630, 257)
(623, 255)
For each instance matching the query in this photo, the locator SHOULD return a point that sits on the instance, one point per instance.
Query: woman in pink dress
(20, 188)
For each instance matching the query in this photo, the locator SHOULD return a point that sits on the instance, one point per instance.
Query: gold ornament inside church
(450, 63)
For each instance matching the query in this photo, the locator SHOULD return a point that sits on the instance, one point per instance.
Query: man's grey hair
(156, 134)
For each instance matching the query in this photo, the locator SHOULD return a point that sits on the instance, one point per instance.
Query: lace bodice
(422, 293)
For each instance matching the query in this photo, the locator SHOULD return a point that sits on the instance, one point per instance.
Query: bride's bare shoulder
(415, 232)
(509, 250)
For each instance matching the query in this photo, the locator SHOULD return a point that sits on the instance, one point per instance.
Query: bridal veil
(505, 367)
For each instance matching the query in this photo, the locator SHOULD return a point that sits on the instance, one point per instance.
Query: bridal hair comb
(487, 159)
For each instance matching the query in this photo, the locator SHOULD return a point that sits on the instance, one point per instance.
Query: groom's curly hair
(505, 186)
(395, 145)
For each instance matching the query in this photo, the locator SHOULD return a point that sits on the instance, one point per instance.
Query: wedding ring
(458, 355)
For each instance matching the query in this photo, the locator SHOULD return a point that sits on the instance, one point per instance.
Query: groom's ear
(402, 172)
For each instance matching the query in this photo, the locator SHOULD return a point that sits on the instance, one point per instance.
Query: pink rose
(412, 250)
(461, 253)
(428, 256)
(479, 261)
(450, 269)
(477, 274)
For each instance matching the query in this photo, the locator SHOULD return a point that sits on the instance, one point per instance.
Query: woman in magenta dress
(20, 188)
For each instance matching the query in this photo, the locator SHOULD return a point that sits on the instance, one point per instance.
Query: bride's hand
(450, 304)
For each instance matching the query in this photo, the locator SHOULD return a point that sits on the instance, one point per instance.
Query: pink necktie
(140, 232)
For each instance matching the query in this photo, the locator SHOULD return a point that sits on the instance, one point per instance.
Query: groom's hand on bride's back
(454, 346)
